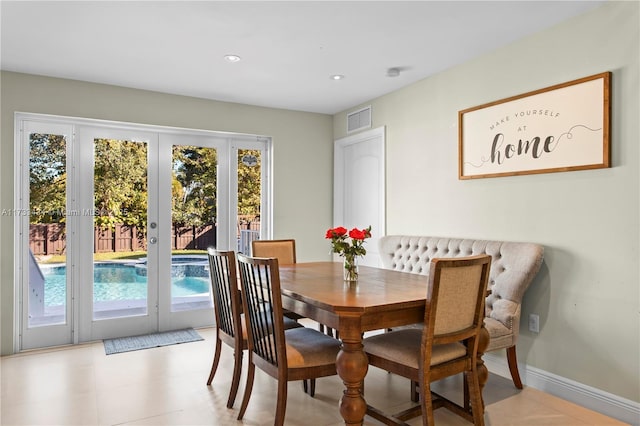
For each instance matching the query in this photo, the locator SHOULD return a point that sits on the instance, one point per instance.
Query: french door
(118, 186)
(140, 206)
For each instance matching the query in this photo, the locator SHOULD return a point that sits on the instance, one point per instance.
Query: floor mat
(136, 343)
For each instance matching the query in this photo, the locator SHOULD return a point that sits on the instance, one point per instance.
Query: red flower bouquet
(349, 245)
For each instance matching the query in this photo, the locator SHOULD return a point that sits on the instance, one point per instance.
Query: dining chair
(445, 346)
(286, 355)
(285, 252)
(229, 320)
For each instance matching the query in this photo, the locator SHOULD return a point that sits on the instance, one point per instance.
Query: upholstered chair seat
(403, 347)
(306, 348)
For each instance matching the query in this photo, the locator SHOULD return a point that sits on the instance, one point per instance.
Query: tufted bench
(513, 267)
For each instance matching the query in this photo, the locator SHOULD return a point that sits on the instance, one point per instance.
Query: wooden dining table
(380, 299)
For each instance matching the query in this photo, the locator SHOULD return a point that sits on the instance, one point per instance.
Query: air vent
(360, 119)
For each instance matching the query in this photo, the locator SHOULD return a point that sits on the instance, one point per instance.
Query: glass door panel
(249, 197)
(120, 188)
(47, 300)
(193, 223)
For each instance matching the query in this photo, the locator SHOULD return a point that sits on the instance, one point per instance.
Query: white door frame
(26, 337)
(73, 331)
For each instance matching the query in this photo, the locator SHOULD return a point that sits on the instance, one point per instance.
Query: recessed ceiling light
(232, 58)
(337, 77)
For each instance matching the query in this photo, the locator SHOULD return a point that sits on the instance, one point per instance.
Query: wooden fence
(46, 239)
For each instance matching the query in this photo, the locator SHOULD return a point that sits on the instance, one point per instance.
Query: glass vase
(350, 269)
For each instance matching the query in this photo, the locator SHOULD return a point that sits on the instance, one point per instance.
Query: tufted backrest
(513, 265)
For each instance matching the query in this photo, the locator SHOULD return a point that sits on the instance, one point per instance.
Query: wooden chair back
(226, 297)
(227, 307)
(262, 302)
(283, 250)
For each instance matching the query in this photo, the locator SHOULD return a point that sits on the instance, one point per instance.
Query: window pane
(120, 286)
(249, 196)
(193, 217)
(47, 233)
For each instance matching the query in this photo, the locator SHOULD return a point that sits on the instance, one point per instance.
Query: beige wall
(587, 293)
(303, 154)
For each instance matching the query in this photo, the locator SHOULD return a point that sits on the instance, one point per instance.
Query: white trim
(586, 396)
(124, 125)
(17, 239)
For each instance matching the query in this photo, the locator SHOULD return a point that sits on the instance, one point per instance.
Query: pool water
(114, 281)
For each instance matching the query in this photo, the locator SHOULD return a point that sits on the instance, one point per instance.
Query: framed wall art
(556, 129)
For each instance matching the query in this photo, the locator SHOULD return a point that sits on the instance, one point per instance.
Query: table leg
(352, 365)
(483, 372)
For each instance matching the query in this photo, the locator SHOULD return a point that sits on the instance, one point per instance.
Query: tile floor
(167, 386)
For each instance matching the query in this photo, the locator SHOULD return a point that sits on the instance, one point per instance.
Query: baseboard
(594, 399)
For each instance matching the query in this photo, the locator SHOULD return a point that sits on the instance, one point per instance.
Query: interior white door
(359, 187)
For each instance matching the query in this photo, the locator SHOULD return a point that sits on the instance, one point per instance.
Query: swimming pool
(128, 281)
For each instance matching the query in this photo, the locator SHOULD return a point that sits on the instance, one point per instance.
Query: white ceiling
(289, 49)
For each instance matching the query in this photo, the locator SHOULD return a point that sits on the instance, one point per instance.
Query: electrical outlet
(534, 323)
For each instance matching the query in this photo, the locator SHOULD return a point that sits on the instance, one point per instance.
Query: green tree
(249, 182)
(120, 183)
(194, 186)
(47, 178)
